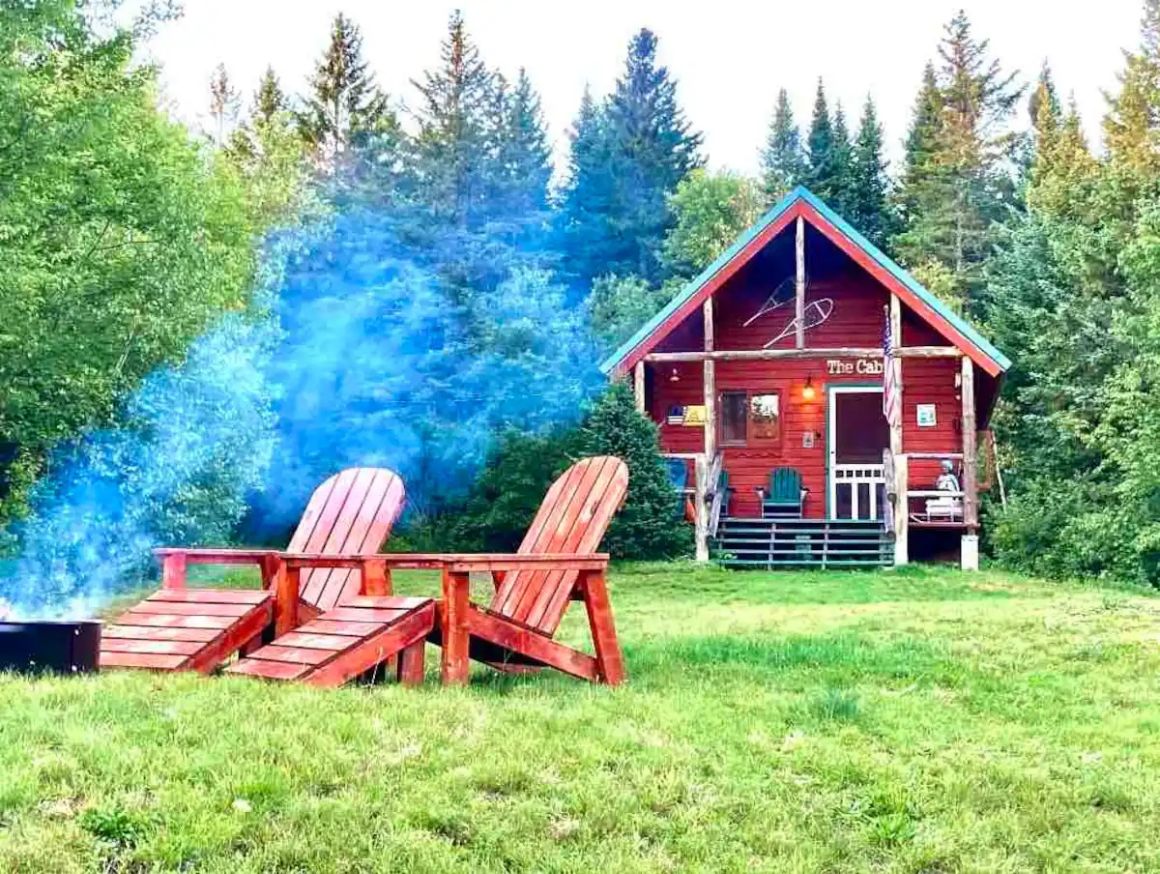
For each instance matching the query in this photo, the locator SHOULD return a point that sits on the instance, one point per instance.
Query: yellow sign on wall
(694, 415)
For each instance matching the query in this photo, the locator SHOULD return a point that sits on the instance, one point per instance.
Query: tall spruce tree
(820, 146)
(636, 147)
(841, 181)
(457, 118)
(783, 162)
(270, 100)
(868, 207)
(344, 111)
(525, 159)
(956, 182)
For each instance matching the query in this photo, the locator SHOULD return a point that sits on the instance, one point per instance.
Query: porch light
(808, 391)
(674, 376)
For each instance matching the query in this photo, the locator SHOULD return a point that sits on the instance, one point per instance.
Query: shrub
(647, 527)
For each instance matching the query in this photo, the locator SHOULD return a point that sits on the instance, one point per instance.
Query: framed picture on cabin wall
(925, 416)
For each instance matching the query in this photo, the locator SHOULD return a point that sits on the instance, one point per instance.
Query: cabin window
(734, 417)
(765, 416)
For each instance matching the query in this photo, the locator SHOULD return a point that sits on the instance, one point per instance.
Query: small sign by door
(926, 416)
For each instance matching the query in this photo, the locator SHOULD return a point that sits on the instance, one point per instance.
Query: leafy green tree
(619, 305)
(122, 241)
(712, 210)
(783, 162)
(344, 111)
(647, 526)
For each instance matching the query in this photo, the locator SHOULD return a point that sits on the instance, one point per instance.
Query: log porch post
(901, 462)
(800, 284)
(638, 386)
(705, 460)
(970, 484)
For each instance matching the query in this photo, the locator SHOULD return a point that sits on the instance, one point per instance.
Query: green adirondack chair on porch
(785, 497)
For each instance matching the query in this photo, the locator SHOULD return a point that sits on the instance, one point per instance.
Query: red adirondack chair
(555, 564)
(180, 628)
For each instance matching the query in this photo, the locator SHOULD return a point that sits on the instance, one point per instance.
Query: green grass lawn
(920, 721)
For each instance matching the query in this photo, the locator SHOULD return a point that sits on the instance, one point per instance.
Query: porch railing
(854, 477)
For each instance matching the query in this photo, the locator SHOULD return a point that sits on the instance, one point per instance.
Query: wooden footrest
(346, 641)
(186, 629)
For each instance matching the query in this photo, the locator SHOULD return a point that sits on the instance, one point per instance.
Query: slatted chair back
(351, 512)
(785, 486)
(572, 519)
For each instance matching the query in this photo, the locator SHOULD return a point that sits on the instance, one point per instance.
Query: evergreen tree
(345, 111)
(583, 216)
(272, 158)
(957, 181)
(525, 159)
(869, 206)
(647, 148)
(841, 181)
(224, 104)
(270, 102)
(648, 525)
(820, 146)
(457, 118)
(782, 160)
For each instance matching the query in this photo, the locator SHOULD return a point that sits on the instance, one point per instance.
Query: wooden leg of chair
(411, 664)
(600, 620)
(453, 617)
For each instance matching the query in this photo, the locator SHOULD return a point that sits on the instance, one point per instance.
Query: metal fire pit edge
(60, 647)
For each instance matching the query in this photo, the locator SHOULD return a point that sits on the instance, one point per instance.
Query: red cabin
(829, 409)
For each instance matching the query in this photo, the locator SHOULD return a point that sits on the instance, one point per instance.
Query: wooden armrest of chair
(174, 561)
(455, 561)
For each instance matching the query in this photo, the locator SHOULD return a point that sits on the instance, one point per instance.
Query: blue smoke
(364, 349)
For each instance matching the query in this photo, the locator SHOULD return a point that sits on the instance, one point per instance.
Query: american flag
(891, 402)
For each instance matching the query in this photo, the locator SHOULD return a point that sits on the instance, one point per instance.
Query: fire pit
(66, 647)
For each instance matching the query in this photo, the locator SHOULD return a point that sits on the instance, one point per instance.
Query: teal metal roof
(888, 264)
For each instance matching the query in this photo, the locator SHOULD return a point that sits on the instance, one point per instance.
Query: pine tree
(224, 104)
(586, 199)
(782, 161)
(457, 120)
(1131, 131)
(345, 111)
(869, 209)
(1043, 96)
(957, 181)
(525, 158)
(270, 101)
(820, 146)
(841, 181)
(647, 148)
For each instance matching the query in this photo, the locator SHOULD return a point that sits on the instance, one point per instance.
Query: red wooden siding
(857, 321)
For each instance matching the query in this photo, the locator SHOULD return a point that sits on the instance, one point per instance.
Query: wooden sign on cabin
(860, 366)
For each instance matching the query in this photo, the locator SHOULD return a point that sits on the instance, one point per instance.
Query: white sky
(729, 57)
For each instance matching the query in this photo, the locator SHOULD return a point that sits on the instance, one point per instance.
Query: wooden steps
(775, 543)
(186, 629)
(347, 641)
